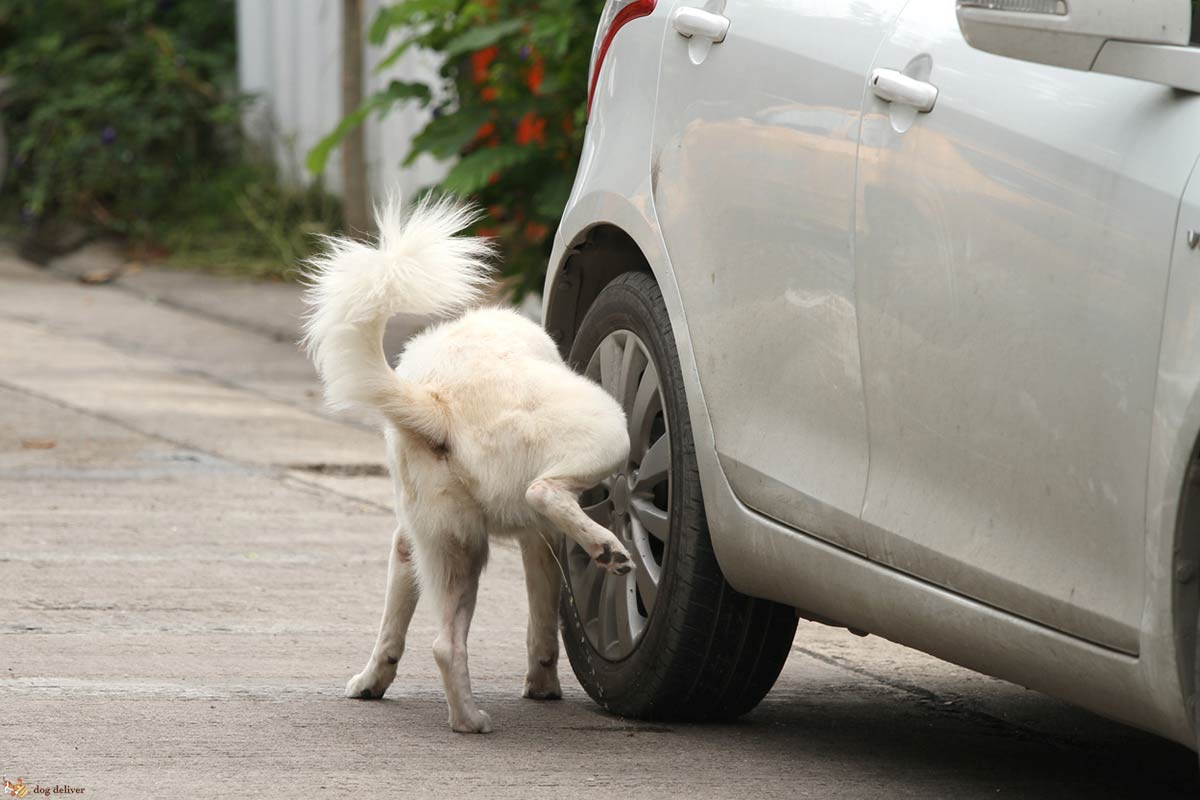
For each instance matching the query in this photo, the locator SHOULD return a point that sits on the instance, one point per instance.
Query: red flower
(488, 93)
(533, 78)
(536, 231)
(531, 128)
(485, 130)
(480, 61)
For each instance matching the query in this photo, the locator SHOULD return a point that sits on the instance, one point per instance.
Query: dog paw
(476, 722)
(542, 687)
(367, 685)
(615, 560)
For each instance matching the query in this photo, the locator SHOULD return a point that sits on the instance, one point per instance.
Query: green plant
(509, 104)
(244, 220)
(113, 106)
(123, 116)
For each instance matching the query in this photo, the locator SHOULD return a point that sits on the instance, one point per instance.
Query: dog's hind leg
(555, 500)
(543, 582)
(398, 607)
(451, 578)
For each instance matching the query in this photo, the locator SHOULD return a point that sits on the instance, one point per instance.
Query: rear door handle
(696, 22)
(896, 87)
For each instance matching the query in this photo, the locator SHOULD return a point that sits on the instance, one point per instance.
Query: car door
(1012, 251)
(753, 180)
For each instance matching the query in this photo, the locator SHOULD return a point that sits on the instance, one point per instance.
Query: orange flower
(480, 61)
(488, 93)
(531, 128)
(533, 78)
(485, 130)
(536, 231)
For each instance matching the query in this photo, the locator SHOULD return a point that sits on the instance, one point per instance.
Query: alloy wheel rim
(634, 503)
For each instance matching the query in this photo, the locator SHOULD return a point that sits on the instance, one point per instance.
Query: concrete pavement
(192, 560)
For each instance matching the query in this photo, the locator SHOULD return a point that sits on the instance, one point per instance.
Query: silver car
(902, 300)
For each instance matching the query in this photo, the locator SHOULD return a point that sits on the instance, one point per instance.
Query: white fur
(488, 433)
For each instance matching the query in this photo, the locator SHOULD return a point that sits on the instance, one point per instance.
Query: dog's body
(489, 433)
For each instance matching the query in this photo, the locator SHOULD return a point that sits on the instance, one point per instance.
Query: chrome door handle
(896, 87)
(700, 23)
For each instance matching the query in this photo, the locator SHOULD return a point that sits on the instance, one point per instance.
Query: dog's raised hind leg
(543, 582)
(398, 608)
(557, 502)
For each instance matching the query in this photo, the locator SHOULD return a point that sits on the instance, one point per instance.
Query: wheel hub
(620, 495)
(634, 504)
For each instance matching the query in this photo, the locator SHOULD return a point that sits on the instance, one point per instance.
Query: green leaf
(551, 198)
(479, 38)
(406, 15)
(408, 90)
(394, 56)
(474, 171)
(446, 136)
(395, 92)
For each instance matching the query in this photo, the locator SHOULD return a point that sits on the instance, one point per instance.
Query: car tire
(703, 651)
(1194, 700)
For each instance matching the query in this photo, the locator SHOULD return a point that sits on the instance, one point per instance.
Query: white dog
(489, 433)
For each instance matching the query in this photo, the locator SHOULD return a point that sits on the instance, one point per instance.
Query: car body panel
(762, 557)
(754, 189)
(1013, 247)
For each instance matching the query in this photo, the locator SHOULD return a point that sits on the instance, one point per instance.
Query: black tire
(1194, 699)
(706, 651)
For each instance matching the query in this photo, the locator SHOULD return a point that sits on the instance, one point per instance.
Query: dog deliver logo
(23, 789)
(18, 789)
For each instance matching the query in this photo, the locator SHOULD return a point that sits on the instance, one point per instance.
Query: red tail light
(616, 14)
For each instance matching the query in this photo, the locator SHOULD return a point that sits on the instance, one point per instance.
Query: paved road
(192, 560)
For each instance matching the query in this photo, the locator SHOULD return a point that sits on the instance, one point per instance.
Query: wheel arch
(1168, 657)
(590, 262)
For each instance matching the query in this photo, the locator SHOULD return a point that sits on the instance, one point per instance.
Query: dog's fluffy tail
(417, 266)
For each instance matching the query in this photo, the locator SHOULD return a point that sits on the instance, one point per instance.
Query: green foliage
(244, 220)
(114, 103)
(473, 171)
(380, 101)
(123, 116)
(509, 103)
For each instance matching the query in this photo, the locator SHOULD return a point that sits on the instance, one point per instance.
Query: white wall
(289, 56)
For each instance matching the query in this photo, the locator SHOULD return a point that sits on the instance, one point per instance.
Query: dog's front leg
(543, 582)
(398, 608)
